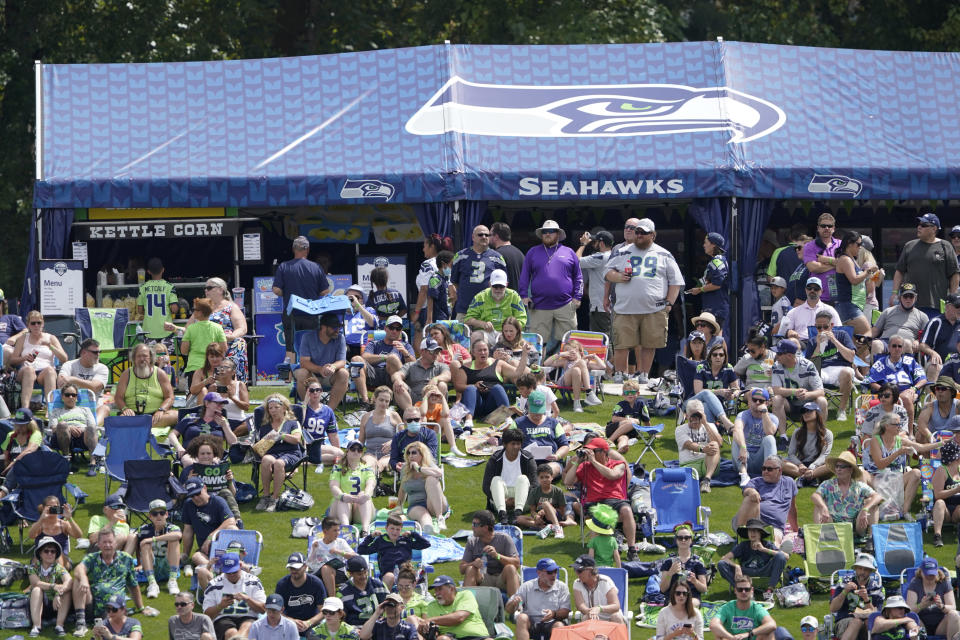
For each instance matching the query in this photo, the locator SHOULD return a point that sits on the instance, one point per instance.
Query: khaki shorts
(648, 330)
(499, 581)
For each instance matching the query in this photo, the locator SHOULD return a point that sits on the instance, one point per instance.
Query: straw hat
(710, 319)
(847, 458)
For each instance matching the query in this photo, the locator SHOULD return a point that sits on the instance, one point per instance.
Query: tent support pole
(735, 296)
(458, 225)
(236, 263)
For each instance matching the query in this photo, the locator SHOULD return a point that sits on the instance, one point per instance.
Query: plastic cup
(392, 502)
(239, 293)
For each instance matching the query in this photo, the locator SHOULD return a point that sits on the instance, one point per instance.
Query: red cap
(598, 443)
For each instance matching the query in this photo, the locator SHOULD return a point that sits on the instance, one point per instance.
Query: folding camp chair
(647, 437)
(897, 546)
(85, 398)
(459, 332)
(675, 497)
(514, 532)
(594, 343)
(620, 580)
(536, 340)
(349, 532)
(106, 326)
(35, 476)
(257, 419)
(146, 481)
(126, 438)
(251, 540)
(416, 555)
(906, 577)
(828, 547)
(490, 604)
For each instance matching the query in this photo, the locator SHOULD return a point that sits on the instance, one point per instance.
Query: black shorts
(221, 625)
(613, 503)
(613, 426)
(294, 323)
(376, 377)
(542, 630)
(353, 350)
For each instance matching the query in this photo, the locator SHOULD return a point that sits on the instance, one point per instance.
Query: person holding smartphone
(680, 619)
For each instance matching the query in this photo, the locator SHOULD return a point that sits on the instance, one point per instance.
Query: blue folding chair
(35, 476)
(416, 555)
(897, 546)
(146, 481)
(514, 532)
(675, 497)
(349, 532)
(251, 540)
(85, 398)
(126, 438)
(619, 577)
(459, 332)
(530, 573)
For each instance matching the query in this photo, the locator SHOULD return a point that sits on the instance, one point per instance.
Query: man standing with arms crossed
(647, 281)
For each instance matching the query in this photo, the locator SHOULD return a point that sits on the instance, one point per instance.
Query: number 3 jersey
(654, 270)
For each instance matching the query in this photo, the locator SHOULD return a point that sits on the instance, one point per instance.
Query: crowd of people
(489, 321)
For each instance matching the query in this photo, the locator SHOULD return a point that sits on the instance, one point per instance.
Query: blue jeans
(768, 447)
(480, 404)
(772, 570)
(711, 404)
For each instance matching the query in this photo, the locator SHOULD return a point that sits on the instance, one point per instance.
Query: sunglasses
(826, 226)
(718, 355)
(629, 227)
(483, 235)
(359, 449)
(813, 287)
(182, 604)
(498, 286)
(51, 550)
(770, 468)
(544, 231)
(700, 325)
(823, 328)
(475, 524)
(36, 322)
(412, 452)
(111, 609)
(208, 287)
(159, 513)
(404, 587)
(757, 400)
(684, 537)
(329, 613)
(389, 605)
(681, 593)
(842, 465)
(314, 390)
(807, 628)
(698, 416)
(942, 388)
(886, 395)
(395, 327)
(641, 232)
(410, 420)
(896, 346)
(908, 295)
(69, 395)
(96, 353)
(744, 589)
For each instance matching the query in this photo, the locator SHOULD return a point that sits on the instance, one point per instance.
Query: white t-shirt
(510, 471)
(654, 270)
(667, 621)
(683, 435)
(220, 585)
(427, 268)
(598, 597)
(799, 318)
(545, 390)
(779, 311)
(74, 369)
(323, 552)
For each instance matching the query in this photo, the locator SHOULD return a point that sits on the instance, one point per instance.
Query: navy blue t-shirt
(207, 518)
(831, 355)
(437, 291)
(718, 273)
(386, 302)
(720, 381)
(303, 602)
(300, 277)
(381, 348)
(403, 631)
(10, 324)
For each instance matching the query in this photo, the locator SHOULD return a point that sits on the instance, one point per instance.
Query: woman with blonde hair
(35, 350)
(434, 408)
(22, 441)
(281, 426)
(200, 333)
(420, 486)
(352, 482)
(577, 364)
(230, 316)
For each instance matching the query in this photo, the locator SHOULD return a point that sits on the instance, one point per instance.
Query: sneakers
(60, 631)
(618, 377)
(937, 540)
(705, 485)
(632, 554)
(744, 479)
(557, 531)
(842, 415)
(650, 547)
(768, 596)
(546, 532)
(783, 442)
(262, 503)
(34, 632)
(642, 378)
(468, 423)
(188, 570)
(576, 407)
(502, 517)
(592, 400)
(153, 589)
(92, 470)
(81, 630)
(271, 505)
(172, 587)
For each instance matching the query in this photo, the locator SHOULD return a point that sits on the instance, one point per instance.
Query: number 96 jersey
(654, 269)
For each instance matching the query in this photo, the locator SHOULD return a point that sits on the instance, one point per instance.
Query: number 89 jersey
(654, 269)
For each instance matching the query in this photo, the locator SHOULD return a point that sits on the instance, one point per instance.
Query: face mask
(413, 427)
(447, 271)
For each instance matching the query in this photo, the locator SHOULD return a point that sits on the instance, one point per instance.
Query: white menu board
(61, 287)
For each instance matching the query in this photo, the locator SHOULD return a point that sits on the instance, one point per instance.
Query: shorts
(222, 625)
(290, 460)
(831, 375)
(842, 625)
(699, 465)
(294, 323)
(848, 311)
(377, 376)
(542, 630)
(613, 426)
(499, 581)
(648, 330)
(613, 503)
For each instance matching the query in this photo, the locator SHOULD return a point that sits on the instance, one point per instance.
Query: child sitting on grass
(532, 381)
(546, 504)
(603, 546)
(627, 415)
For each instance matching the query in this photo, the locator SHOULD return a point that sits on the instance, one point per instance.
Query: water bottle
(351, 435)
(318, 468)
(825, 631)
(484, 569)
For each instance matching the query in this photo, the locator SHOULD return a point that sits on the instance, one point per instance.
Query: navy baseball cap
(718, 240)
(929, 218)
(274, 601)
(356, 563)
(229, 563)
(296, 560)
(440, 581)
(193, 486)
(117, 601)
(955, 231)
(785, 346)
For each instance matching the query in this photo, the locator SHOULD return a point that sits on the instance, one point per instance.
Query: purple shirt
(828, 279)
(775, 499)
(551, 277)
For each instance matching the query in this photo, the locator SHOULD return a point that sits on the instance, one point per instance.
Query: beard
(143, 371)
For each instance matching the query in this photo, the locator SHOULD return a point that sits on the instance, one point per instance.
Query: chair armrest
(176, 487)
(13, 497)
(78, 494)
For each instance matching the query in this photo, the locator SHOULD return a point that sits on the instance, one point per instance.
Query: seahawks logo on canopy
(593, 111)
(841, 185)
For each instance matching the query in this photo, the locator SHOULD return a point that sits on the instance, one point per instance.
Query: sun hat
(866, 561)
(710, 319)
(47, 541)
(551, 225)
(848, 458)
(753, 523)
(602, 519)
(895, 602)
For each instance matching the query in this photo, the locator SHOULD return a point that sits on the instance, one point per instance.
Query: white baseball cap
(646, 225)
(809, 620)
(498, 276)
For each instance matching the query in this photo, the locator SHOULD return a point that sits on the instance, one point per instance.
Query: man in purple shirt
(551, 284)
(818, 256)
(768, 498)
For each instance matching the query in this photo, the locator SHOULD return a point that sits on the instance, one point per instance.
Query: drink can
(141, 276)
(392, 502)
(628, 270)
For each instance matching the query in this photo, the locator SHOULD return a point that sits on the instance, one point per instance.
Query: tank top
(416, 490)
(44, 354)
(953, 501)
(488, 375)
(848, 292)
(896, 465)
(378, 433)
(143, 395)
(937, 421)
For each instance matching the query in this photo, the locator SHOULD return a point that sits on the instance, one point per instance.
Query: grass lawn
(462, 490)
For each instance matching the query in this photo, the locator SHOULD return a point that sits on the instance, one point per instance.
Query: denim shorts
(847, 311)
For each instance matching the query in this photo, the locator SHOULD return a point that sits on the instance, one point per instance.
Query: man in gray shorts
(490, 558)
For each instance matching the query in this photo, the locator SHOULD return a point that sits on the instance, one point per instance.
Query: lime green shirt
(463, 601)
(485, 308)
(200, 334)
(155, 297)
(603, 548)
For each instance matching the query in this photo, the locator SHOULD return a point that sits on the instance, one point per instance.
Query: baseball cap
(646, 225)
(718, 240)
(332, 604)
(429, 344)
(213, 396)
(394, 598)
(498, 277)
(393, 320)
(778, 282)
(696, 335)
(356, 443)
(814, 280)
(759, 391)
(296, 560)
(537, 402)
(113, 501)
(274, 601)
(811, 406)
(356, 563)
(953, 299)
(157, 504)
(809, 620)
(193, 486)
(583, 562)
(117, 601)
(908, 287)
(604, 236)
(596, 443)
(22, 416)
(440, 581)
(547, 564)
(929, 567)
(955, 231)
(785, 346)
(229, 563)
(929, 218)
(329, 320)
(866, 561)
